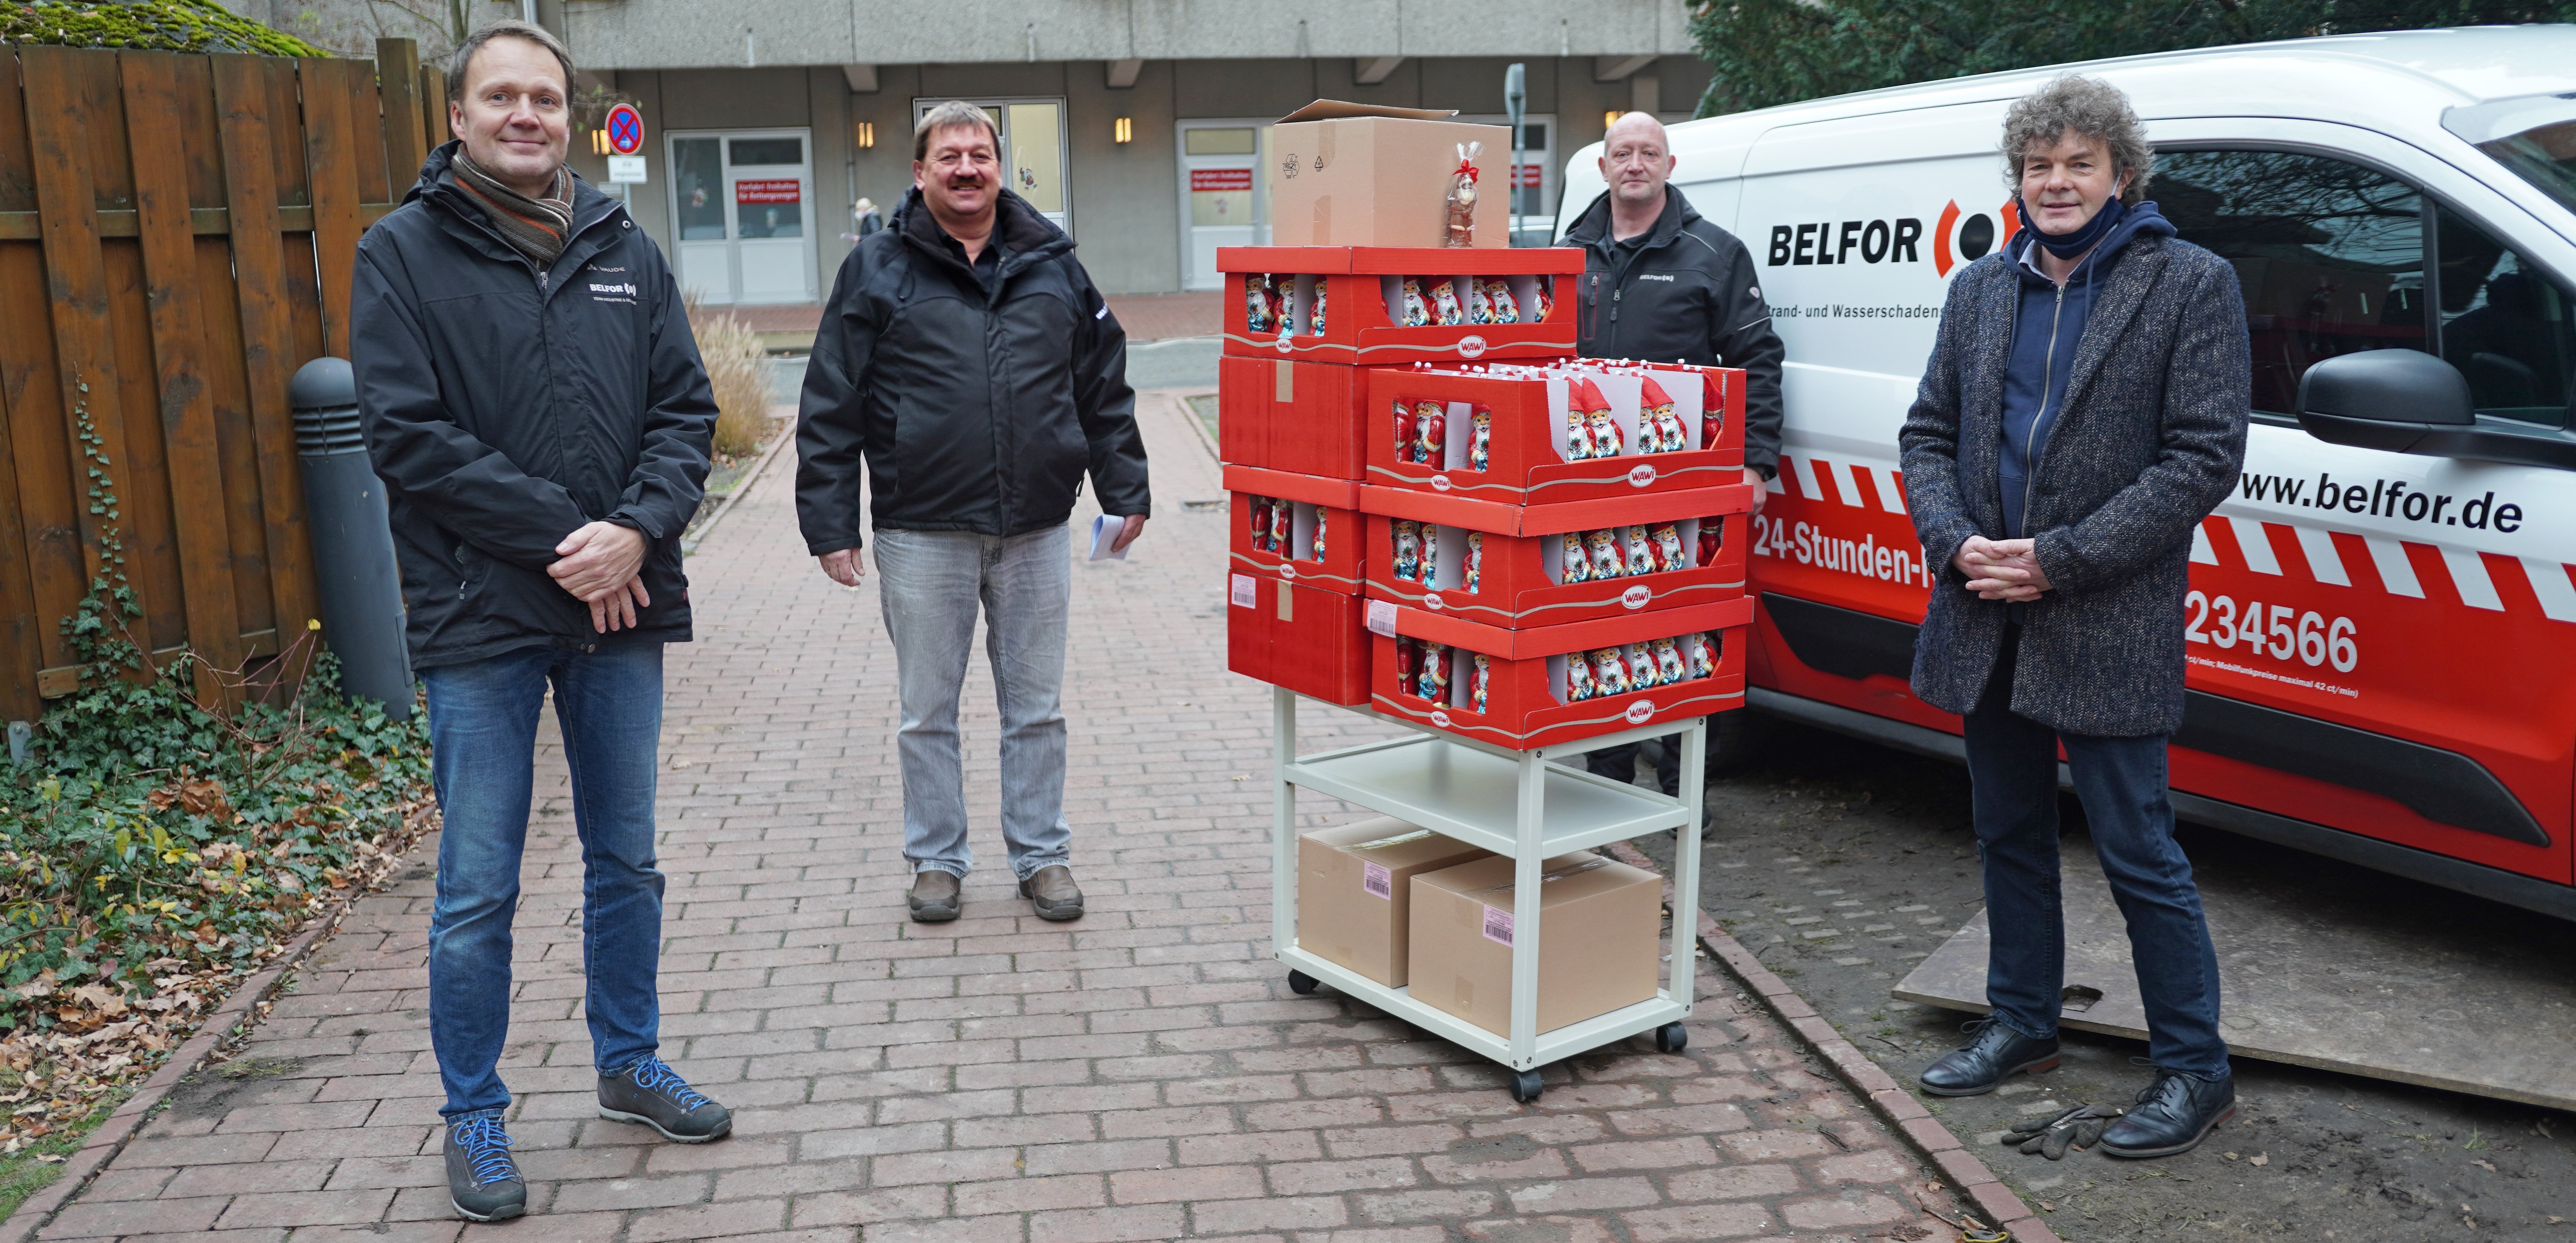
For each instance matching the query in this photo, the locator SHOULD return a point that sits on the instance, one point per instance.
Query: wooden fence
(177, 234)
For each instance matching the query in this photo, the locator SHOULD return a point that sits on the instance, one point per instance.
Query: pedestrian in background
(2083, 410)
(967, 361)
(1661, 283)
(864, 218)
(537, 408)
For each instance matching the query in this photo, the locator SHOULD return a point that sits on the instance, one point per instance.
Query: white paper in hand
(1104, 532)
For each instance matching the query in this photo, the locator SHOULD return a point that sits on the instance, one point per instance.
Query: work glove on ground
(2078, 1128)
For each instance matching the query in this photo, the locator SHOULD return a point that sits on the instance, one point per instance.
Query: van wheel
(1526, 1086)
(1300, 983)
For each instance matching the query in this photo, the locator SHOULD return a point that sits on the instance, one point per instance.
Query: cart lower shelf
(1660, 1014)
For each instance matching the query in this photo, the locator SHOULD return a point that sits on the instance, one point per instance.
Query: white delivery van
(2382, 643)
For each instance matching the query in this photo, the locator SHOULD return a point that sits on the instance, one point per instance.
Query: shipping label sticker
(1375, 880)
(1244, 591)
(1381, 617)
(1498, 925)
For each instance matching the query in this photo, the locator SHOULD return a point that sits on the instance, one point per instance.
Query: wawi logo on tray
(1636, 596)
(1471, 346)
(1642, 476)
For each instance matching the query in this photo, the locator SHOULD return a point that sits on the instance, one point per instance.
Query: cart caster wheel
(1526, 1086)
(1671, 1037)
(1300, 983)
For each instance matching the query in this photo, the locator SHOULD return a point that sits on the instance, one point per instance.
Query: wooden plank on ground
(331, 167)
(398, 78)
(244, 107)
(59, 113)
(191, 449)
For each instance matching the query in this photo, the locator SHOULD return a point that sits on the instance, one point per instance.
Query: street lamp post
(1515, 106)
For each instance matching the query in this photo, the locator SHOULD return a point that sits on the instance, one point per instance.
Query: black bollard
(353, 543)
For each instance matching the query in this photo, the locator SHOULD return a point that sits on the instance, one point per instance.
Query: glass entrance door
(1221, 195)
(744, 207)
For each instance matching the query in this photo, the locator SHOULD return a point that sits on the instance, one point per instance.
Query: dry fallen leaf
(2263, 1160)
(2488, 1166)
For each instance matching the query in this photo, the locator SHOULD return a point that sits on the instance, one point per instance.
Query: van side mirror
(2408, 401)
(2382, 399)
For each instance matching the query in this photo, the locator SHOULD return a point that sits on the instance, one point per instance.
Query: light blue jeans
(483, 737)
(932, 585)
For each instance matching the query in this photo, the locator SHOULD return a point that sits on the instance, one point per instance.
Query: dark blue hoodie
(2046, 329)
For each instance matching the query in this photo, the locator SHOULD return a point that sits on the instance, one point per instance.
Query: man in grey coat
(2083, 410)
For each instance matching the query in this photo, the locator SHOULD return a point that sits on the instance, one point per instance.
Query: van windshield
(2534, 138)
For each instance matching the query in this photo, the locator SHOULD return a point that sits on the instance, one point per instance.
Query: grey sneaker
(1053, 893)
(655, 1095)
(482, 1181)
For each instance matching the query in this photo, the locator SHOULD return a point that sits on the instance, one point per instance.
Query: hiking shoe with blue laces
(655, 1095)
(482, 1181)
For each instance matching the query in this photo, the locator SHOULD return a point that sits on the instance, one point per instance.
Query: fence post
(398, 80)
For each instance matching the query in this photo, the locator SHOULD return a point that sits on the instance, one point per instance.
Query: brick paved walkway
(1143, 1074)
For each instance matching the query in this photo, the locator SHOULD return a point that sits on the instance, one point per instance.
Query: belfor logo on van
(1956, 238)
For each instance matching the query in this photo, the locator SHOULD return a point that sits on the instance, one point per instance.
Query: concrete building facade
(1137, 124)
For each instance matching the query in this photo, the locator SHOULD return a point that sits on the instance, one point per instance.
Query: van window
(2330, 254)
(2505, 325)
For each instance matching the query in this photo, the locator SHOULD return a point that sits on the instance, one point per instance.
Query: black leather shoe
(934, 898)
(1996, 1052)
(2173, 1115)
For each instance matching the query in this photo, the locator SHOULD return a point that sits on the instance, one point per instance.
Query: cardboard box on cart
(1599, 944)
(1355, 891)
(1296, 527)
(1500, 432)
(1308, 639)
(1529, 690)
(1361, 293)
(1345, 174)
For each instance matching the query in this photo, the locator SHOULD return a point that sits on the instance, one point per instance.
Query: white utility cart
(1524, 805)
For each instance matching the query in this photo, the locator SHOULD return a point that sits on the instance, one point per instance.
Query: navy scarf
(2068, 246)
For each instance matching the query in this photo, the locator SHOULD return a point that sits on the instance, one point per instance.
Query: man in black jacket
(534, 401)
(967, 360)
(1662, 284)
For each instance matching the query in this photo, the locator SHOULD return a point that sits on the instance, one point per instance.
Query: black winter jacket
(977, 396)
(506, 407)
(1689, 295)
(2148, 440)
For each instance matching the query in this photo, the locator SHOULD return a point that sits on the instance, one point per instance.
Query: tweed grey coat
(2150, 438)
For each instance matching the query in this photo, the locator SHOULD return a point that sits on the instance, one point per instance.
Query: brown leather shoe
(934, 898)
(1053, 892)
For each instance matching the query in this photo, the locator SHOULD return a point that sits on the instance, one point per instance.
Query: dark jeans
(483, 734)
(2012, 763)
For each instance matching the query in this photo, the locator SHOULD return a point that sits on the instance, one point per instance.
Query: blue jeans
(933, 585)
(2012, 765)
(483, 734)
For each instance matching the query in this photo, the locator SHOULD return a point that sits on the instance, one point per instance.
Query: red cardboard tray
(1521, 698)
(1517, 581)
(1502, 432)
(1361, 292)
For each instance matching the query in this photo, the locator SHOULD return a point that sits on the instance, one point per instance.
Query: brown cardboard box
(1352, 175)
(1355, 891)
(1598, 925)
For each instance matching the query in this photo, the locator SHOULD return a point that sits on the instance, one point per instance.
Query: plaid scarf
(536, 227)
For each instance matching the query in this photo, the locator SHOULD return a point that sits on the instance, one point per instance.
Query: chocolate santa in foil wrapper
(1480, 304)
(1473, 571)
(1279, 541)
(1578, 438)
(1317, 314)
(1408, 653)
(1431, 432)
(1498, 295)
(1261, 523)
(1403, 430)
(1445, 311)
(1461, 205)
(1600, 430)
(1578, 678)
(1480, 683)
(1668, 662)
(1542, 300)
(1430, 554)
(1610, 672)
(1480, 443)
(1712, 539)
(1434, 682)
(1656, 423)
(1641, 551)
(1608, 562)
(1408, 550)
(1703, 655)
(1414, 313)
(1641, 667)
(1256, 303)
(1577, 566)
(1317, 543)
(1668, 547)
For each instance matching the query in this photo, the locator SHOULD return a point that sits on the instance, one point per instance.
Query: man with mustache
(967, 361)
